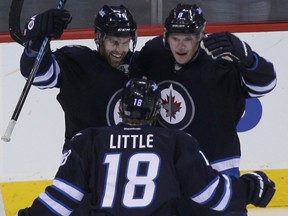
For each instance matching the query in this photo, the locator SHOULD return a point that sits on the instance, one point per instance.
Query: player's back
(135, 170)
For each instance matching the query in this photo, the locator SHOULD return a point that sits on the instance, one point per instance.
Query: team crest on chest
(112, 111)
(177, 107)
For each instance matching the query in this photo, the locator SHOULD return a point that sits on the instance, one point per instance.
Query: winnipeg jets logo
(170, 105)
(112, 111)
(177, 108)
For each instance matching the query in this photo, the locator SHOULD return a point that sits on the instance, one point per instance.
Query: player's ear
(165, 37)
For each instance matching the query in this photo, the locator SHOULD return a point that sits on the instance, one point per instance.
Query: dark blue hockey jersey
(206, 97)
(137, 171)
(89, 86)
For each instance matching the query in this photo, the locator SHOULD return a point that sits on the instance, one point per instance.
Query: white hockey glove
(260, 188)
(229, 47)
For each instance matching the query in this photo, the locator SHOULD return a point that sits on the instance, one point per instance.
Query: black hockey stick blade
(14, 21)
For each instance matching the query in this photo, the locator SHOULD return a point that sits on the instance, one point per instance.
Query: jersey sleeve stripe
(50, 78)
(260, 89)
(227, 195)
(46, 76)
(207, 193)
(53, 205)
(68, 190)
(226, 164)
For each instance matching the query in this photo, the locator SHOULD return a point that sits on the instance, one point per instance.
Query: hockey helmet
(115, 21)
(185, 18)
(140, 100)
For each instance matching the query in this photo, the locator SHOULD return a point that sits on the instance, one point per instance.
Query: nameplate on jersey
(134, 141)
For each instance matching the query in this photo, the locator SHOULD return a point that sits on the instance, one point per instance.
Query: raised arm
(51, 24)
(257, 74)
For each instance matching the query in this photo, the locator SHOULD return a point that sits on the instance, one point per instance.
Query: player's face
(183, 46)
(115, 49)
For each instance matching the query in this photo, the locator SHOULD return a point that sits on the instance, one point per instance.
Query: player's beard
(114, 59)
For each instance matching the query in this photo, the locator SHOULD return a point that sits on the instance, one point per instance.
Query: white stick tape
(9, 130)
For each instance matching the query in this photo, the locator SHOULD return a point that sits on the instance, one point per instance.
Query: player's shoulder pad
(155, 42)
(173, 132)
(187, 138)
(86, 133)
(82, 139)
(75, 50)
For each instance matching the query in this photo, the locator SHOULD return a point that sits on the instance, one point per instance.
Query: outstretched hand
(260, 188)
(228, 47)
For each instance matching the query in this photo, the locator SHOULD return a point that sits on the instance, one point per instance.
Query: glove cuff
(248, 62)
(253, 64)
(35, 45)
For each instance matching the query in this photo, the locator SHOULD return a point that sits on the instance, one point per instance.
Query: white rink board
(34, 151)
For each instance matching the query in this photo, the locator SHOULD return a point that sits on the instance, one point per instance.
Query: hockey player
(80, 73)
(136, 169)
(204, 88)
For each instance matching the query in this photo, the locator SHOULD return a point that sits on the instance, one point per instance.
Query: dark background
(145, 12)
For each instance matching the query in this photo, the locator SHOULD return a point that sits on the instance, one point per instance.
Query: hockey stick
(14, 21)
(17, 35)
